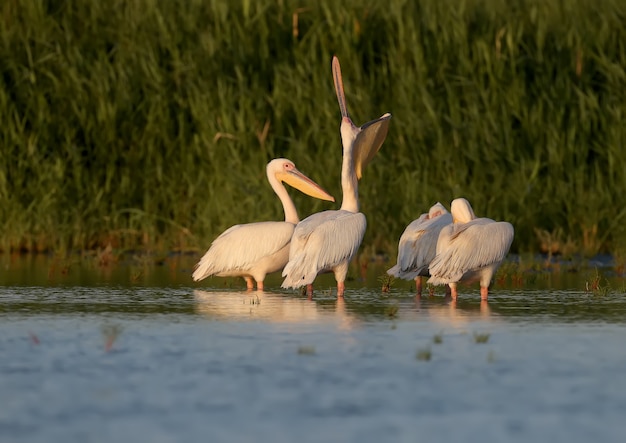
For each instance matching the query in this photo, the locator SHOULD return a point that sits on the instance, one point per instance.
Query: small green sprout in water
(595, 286)
(306, 350)
(423, 354)
(387, 281)
(481, 338)
(106, 257)
(136, 275)
(431, 289)
(33, 338)
(603, 290)
(438, 338)
(594, 283)
(491, 357)
(110, 333)
(391, 311)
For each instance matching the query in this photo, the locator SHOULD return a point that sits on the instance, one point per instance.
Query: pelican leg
(484, 292)
(249, 283)
(418, 285)
(341, 287)
(453, 292)
(309, 290)
(259, 285)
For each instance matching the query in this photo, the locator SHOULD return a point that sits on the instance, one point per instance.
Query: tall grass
(146, 123)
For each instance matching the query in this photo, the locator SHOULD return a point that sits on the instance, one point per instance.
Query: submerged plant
(110, 333)
(387, 281)
(33, 338)
(438, 338)
(595, 285)
(136, 275)
(306, 350)
(423, 354)
(431, 289)
(481, 337)
(391, 311)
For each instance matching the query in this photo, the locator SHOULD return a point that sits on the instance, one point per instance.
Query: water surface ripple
(176, 364)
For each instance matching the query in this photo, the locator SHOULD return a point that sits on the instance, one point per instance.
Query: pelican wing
(418, 246)
(321, 242)
(241, 246)
(470, 246)
(369, 141)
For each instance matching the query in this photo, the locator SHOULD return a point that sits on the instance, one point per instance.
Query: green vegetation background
(148, 123)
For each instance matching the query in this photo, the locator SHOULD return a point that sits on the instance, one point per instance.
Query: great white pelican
(327, 241)
(254, 250)
(470, 249)
(418, 245)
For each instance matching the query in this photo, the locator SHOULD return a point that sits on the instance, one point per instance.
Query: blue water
(159, 363)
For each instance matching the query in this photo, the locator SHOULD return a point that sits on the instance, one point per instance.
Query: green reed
(148, 123)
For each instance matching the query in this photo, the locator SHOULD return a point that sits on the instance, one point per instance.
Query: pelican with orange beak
(254, 250)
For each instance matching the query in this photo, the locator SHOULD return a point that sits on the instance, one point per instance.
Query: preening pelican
(255, 249)
(418, 245)
(328, 240)
(469, 249)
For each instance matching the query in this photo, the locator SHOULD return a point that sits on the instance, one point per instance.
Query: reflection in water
(450, 313)
(271, 307)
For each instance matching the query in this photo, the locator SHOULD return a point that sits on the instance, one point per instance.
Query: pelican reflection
(448, 311)
(271, 307)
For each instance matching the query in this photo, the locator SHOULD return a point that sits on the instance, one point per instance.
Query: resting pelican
(418, 245)
(255, 249)
(469, 249)
(328, 240)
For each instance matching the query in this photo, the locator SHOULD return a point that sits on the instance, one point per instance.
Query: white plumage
(418, 245)
(469, 249)
(327, 241)
(254, 250)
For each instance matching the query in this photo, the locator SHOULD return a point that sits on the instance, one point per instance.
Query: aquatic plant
(438, 338)
(387, 281)
(306, 350)
(431, 289)
(424, 354)
(391, 311)
(33, 338)
(480, 337)
(596, 286)
(110, 333)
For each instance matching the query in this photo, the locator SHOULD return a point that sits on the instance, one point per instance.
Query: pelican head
(365, 141)
(285, 171)
(461, 211)
(436, 210)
